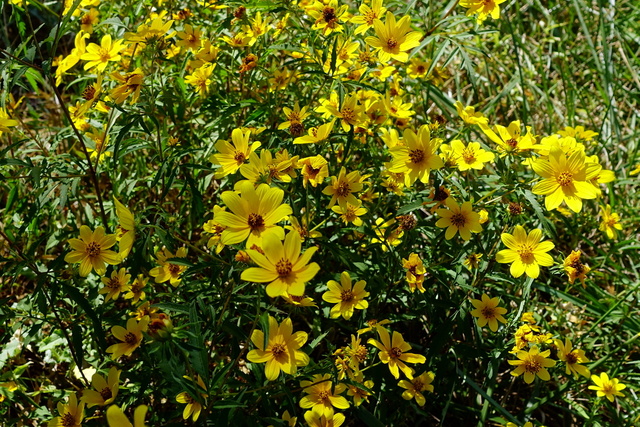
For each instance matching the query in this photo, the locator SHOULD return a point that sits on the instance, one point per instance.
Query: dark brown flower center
(392, 42)
(564, 179)
(93, 249)
(571, 358)
(68, 420)
(533, 366)
(346, 296)
(458, 220)
(488, 312)
(130, 338)
(395, 352)
(88, 93)
(343, 189)
(416, 156)
(277, 349)
(174, 269)
(255, 221)
(106, 393)
(284, 268)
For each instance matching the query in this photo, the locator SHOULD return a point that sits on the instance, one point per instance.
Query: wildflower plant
(218, 212)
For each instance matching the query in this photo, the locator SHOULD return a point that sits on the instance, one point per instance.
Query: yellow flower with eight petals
(393, 351)
(526, 253)
(346, 296)
(92, 251)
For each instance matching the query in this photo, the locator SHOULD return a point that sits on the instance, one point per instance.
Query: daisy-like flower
(281, 352)
(572, 358)
(328, 16)
(609, 222)
(88, 20)
(233, 155)
(136, 291)
(415, 272)
(458, 219)
(387, 239)
(314, 419)
(393, 351)
(116, 418)
(565, 180)
(92, 251)
(254, 214)
(532, 363)
(350, 113)
(346, 296)
(167, 271)
(106, 389)
(470, 156)
(358, 392)
(99, 56)
(417, 156)
(417, 386)
(299, 300)
(316, 134)
(130, 85)
(509, 139)
(350, 214)
(126, 232)
(321, 397)
(342, 188)
(266, 168)
(472, 261)
(118, 282)
(487, 311)
(194, 407)
(578, 133)
(189, 38)
(283, 265)
(314, 170)
(526, 252)
(212, 227)
(483, 8)
(607, 387)
(70, 414)
(469, 114)
(200, 79)
(393, 39)
(368, 15)
(373, 324)
(131, 337)
(295, 118)
(574, 268)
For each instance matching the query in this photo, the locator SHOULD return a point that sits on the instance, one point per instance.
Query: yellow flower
(607, 387)
(393, 351)
(321, 396)
(200, 78)
(116, 418)
(350, 214)
(387, 239)
(415, 387)
(283, 265)
(565, 179)
(136, 291)
(415, 272)
(368, 15)
(130, 84)
(346, 296)
(281, 352)
(471, 156)
(458, 219)
(5, 121)
(374, 324)
(131, 337)
(70, 415)
(316, 134)
(302, 226)
(92, 251)
(483, 8)
(254, 214)
(610, 222)
(316, 420)
(526, 253)
(189, 38)
(578, 132)
(126, 228)
(532, 363)
(294, 116)
(119, 282)
(167, 270)
(101, 55)
(358, 392)
(470, 115)
(572, 358)
(194, 407)
(232, 156)
(417, 156)
(328, 16)
(105, 391)
(487, 311)
(212, 227)
(299, 300)
(265, 168)
(509, 139)
(393, 39)
(350, 112)
(342, 188)
(574, 268)
(472, 261)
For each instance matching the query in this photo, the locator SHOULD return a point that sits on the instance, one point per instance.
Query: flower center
(417, 384)
(369, 17)
(329, 15)
(360, 353)
(469, 156)
(106, 393)
(104, 55)
(392, 42)
(571, 358)
(239, 157)
(526, 255)
(130, 338)
(255, 221)
(348, 115)
(564, 179)
(458, 220)
(533, 366)
(284, 268)
(277, 349)
(420, 69)
(350, 214)
(174, 269)
(68, 420)
(89, 93)
(395, 352)
(416, 156)
(93, 249)
(343, 189)
(346, 296)
(488, 312)
(513, 143)
(114, 283)
(296, 129)
(323, 396)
